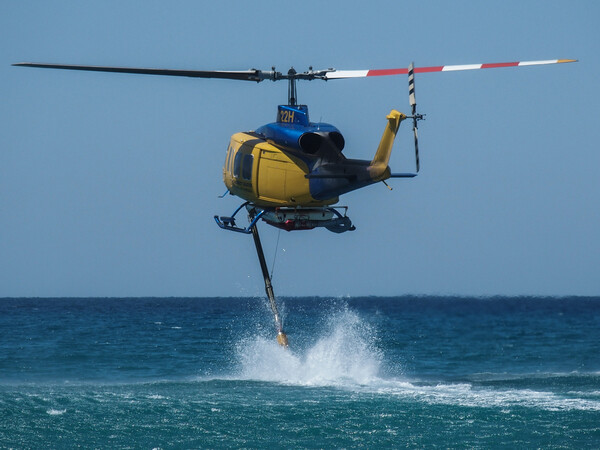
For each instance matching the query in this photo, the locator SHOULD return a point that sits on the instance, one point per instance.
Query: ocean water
(360, 372)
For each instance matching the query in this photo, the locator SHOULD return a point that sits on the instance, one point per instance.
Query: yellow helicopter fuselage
(265, 175)
(290, 165)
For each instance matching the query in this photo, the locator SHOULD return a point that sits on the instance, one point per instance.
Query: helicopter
(291, 173)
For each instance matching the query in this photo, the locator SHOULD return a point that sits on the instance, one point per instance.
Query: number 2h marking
(287, 116)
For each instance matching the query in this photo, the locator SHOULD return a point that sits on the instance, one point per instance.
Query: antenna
(292, 87)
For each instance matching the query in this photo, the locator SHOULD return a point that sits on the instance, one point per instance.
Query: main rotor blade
(245, 75)
(260, 75)
(338, 74)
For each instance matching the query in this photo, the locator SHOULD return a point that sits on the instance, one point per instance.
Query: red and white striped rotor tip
(338, 74)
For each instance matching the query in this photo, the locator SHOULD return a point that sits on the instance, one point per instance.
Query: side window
(237, 164)
(247, 167)
(228, 160)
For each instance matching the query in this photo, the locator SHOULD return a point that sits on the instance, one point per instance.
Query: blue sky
(109, 182)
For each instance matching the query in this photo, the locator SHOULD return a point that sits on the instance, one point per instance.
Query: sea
(365, 372)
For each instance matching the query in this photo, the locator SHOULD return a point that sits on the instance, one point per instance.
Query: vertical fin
(382, 156)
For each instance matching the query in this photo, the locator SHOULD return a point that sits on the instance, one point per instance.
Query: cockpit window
(247, 167)
(237, 164)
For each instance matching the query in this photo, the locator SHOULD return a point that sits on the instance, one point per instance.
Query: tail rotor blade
(416, 147)
(411, 88)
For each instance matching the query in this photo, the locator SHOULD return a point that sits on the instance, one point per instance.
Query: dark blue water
(360, 372)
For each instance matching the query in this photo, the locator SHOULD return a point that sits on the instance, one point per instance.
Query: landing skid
(290, 219)
(228, 222)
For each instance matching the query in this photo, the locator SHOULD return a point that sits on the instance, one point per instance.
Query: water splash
(343, 354)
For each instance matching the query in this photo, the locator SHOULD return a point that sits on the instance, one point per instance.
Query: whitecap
(467, 395)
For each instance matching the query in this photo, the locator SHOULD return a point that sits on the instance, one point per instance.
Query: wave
(469, 395)
(343, 352)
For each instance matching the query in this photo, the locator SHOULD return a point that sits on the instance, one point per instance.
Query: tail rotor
(413, 104)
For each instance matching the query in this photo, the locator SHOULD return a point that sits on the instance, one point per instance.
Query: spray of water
(344, 353)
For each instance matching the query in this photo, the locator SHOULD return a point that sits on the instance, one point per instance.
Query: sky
(109, 182)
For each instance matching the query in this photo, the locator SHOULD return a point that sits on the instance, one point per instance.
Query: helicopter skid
(290, 219)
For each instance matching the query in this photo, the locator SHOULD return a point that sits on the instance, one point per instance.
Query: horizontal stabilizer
(403, 175)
